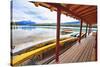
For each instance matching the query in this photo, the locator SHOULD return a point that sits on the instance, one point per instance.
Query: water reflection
(23, 34)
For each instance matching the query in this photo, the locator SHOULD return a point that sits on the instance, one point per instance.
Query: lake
(22, 34)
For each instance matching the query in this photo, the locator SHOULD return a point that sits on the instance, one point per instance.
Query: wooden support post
(80, 30)
(86, 30)
(90, 28)
(89, 31)
(96, 45)
(58, 35)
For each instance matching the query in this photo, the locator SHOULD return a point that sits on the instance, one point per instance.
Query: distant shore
(54, 24)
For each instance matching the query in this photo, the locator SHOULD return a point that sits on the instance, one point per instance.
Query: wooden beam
(82, 9)
(89, 13)
(65, 5)
(58, 34)
(86, 11)
(80, 30)
(76, 8)
(62, 4)
(70, 12)
(92, 19)
(36, 4)
(51, 9)
(55, 5)
(64, 9)
(47, 5)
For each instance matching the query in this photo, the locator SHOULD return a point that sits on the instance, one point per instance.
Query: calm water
(24, 34)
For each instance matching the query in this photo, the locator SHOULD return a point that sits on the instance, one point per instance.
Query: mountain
(73, 22)
(25, 23)
(34, 23)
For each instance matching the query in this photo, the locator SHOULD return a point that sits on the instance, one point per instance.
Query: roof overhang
(86, 13)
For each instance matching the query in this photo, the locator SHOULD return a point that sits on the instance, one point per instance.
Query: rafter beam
(76, 7)
(66, 6)
(86, 11)
(65, 9)
(73, 14)
(36, 4)
(82, 9)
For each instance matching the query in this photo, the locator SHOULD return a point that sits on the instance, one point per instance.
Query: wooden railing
(18, 59)
(25, 56)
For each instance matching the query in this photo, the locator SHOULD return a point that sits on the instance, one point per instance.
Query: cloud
(24, 10)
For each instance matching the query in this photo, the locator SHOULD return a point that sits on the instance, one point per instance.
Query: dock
(80, 52)
(85, 49)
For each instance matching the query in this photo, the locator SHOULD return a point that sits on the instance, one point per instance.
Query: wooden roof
(86, 13)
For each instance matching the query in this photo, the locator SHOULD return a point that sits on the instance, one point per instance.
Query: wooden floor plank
(90, 53)
(75, 50)
(69, 56)
(82, 52)
(93, 55)
(62, 56)
(86, 52)
(76, 53)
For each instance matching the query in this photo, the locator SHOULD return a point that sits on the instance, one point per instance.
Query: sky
(23, 10)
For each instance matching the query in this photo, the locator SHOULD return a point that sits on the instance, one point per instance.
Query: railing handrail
(21, 58)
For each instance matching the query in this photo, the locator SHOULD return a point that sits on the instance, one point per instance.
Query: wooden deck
(83, 52)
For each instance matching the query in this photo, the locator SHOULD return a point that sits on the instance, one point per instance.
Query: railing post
(90, 28)
(80, 30)
(86, 30)
(58, 34)
(89, 31)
